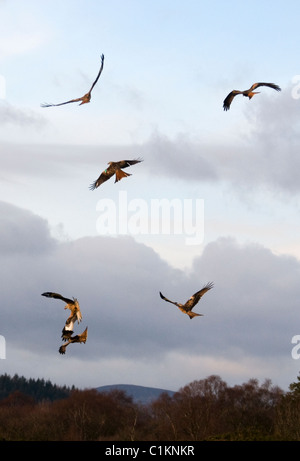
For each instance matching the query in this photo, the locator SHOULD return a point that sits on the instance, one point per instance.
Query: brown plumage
(71, 304)
(85, 98)
(248, 93)
(191, 302)
(114, 168)
(74, 339)
(74, 316)
(67, 330)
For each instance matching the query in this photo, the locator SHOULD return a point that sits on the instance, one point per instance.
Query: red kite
(75, 314)
(85, 98)
(191, 302)
(114, 168)
(248, 93)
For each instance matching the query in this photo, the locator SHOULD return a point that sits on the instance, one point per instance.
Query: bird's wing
(271, 85)
(104, 176)
(99, 73)
(127, 163)
(168, 300)
(229, 98)
(76, 311)
(197, 296)
(67, 331)
(62, 349)
(49, 294)
(62, 103)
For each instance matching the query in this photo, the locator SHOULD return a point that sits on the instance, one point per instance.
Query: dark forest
(207, 409)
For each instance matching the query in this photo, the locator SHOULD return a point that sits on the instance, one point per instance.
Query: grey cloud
(180, 158)
(265, 154)
(22, 232)
(264, 157)
(256, 295)
(12, 115)
(251, 311)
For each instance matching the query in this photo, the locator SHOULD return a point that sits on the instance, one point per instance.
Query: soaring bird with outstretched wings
(71, 304)
(74, 339)
(114, 168)
(191, 302)
(85, 98)
(248, 93)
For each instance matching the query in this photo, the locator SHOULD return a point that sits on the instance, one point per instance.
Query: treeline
(38, 389)
(207, 409)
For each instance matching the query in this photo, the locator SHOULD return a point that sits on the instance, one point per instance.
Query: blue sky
(168, 67)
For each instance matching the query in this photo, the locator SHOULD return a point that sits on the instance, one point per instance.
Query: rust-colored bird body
(191, 302)
(114, 168)
(247, 93)
(86, 97)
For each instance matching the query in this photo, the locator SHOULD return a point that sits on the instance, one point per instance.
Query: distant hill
(139, 394)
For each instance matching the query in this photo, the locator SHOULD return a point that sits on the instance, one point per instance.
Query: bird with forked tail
(86, 97)
(247, 93)
(114, 168)
(191, 302)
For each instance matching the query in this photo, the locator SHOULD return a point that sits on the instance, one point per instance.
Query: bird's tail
(250, 95)
(193, 314)
(83, 336)
(121, 174)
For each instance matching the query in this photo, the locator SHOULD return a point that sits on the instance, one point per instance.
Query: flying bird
(85, 98)
(114, 168)
(71, 304)
(74, 339)
(248, 93)
(191, 302)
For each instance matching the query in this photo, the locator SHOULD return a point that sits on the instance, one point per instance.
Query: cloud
(180, 157)
(11, 115)
(22, 232)
(250, 314)
(262, 151)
